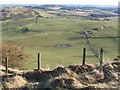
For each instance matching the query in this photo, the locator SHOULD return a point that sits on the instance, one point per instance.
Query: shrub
(16, 55)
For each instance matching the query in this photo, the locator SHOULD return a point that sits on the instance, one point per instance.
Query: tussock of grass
(14, 82)
(71, 77)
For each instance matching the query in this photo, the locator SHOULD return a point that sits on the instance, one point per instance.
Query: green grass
(104, 12)
(48, 33)
(45, 14)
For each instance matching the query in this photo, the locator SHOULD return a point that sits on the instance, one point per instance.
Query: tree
(16, 55)
(36, 17)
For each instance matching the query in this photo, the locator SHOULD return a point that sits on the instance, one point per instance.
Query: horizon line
(62, 4)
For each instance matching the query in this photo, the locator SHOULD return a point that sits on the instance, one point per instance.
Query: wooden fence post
(101, 60)
(39, 61)
(6, 64)
(84, 56)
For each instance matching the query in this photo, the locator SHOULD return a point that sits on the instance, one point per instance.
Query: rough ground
(74, 77)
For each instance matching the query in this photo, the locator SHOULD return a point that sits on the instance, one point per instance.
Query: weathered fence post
(84, 56)
(39, 61)
(101, 60)
(6, 64)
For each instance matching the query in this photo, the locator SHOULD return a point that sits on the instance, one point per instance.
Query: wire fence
(39, 61)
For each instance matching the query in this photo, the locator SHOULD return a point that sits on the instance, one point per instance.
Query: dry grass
(14, 82)
(71, 77)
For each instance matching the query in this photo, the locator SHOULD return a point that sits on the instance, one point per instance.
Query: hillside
(60, 38)
(50, 33)
(59, 32)
(16, 13)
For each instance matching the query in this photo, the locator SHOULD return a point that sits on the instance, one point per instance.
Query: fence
(83, 61)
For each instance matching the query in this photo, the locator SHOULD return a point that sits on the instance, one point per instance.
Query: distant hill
(27, 11)
(91, 9)
(16, 12)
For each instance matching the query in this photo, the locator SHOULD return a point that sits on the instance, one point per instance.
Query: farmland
(48, 33)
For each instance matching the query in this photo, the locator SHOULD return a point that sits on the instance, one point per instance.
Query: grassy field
(49, 32)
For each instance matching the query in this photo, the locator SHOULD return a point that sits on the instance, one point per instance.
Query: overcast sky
(84, 2)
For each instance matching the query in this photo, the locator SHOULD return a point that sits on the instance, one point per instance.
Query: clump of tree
(16, 54)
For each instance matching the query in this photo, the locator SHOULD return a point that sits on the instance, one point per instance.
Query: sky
(82, 2)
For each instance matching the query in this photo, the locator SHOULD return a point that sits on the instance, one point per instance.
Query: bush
(16, 55)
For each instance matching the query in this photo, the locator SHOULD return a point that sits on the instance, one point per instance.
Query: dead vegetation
(71, 77)
(14, 82)
(16, 53)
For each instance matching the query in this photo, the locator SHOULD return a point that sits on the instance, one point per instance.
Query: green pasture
(45, 35)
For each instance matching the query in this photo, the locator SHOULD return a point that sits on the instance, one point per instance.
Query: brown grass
(71, 77)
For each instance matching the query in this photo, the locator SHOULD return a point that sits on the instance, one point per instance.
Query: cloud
(99, 2)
